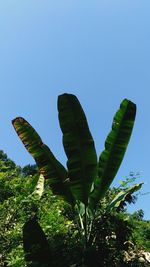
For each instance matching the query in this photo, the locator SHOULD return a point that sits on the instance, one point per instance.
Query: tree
(87, 180)
(29, 170)
(7, 164)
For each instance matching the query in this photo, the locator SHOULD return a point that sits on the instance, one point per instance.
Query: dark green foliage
(112, 231)
(6, 164)
(36, 248)
(29, 170)
(142, 232)
(138, 215)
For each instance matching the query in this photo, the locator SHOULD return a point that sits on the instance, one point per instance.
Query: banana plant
(122, 196)
(86, 179)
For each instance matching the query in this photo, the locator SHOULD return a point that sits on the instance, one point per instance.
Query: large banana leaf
(115, 147)
(121, 196)
(79, 146)
(48, 165)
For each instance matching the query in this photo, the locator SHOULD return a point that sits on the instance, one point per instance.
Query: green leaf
(48, 165)
(39, 189)
(79, 146)
(121, 196)
(115, 147)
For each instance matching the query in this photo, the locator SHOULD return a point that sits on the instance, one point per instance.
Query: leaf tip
(18, 119)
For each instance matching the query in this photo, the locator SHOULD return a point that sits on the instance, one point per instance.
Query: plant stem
(85, 228)
(81, 222)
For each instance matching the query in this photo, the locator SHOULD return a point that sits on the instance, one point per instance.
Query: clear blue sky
(97, 50)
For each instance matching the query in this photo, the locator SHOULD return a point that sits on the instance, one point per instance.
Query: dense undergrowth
(117, 233)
